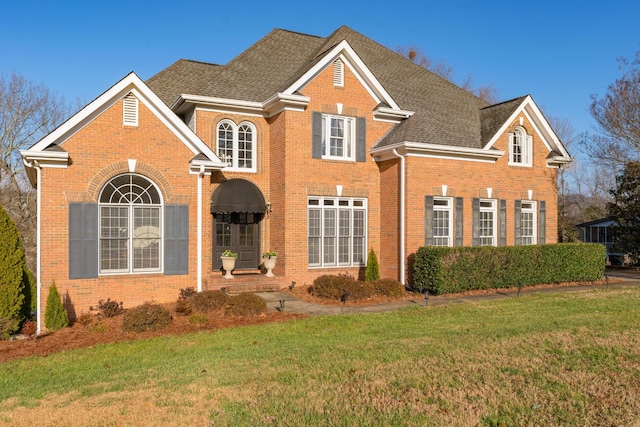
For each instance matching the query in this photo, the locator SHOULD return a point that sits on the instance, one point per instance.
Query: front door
(240, 233)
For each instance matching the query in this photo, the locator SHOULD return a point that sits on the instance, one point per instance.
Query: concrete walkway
(295, 305)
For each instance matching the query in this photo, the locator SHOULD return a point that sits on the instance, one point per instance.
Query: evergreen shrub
(55, 316)
(372, 272)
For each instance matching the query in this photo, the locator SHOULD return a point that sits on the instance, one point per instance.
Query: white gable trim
(346, 53)
(131, 83)
(541, 126)
(420, 149)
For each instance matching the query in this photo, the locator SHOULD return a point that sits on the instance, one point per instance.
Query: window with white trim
(487, 224)
(338, 137)
(130, 211)
(520, 148)
(442, 220)
(236, 145)
(337, 231)
(528, 222)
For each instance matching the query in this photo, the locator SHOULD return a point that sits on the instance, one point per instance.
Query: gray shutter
(517, 221)
(83, 240)
(316, 137)
(475, 227)
(361, 135)
(502, 238)
(176, 239)
(459, 221)
(542, 222)
(428, 221)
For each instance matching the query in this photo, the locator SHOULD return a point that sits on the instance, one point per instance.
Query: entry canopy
(237, 195)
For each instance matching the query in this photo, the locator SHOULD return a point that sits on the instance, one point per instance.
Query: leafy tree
(625, 210)
(14, 274)
(55, 317)
(372, 271)
(28, 112)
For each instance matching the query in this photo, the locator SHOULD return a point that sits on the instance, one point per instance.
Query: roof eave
(421, 149)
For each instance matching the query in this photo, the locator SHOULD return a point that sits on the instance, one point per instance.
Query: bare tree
(442, 69)
(27, 113)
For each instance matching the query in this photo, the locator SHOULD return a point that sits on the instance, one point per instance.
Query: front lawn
(541, 359)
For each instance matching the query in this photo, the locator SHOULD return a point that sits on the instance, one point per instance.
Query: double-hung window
(520, 148)
(338, 137)
(236, 145)
(528, 222)
(442, 221)
(337, 231)
(130, 233)
(487, 223)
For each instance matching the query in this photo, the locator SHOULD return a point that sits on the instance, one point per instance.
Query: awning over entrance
(237, 195)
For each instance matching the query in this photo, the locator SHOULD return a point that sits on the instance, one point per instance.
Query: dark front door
(240, 233)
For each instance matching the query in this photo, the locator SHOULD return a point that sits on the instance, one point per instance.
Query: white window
(487, 230)
(338, 137)
(528, 222)
(442, 220)
(337, 231)
(236, 145)
(520, 148)
(130, 225)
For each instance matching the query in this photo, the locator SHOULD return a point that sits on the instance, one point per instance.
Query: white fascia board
(283, 101)
(419, 149)
(51, 159)
(205, 166)
(344, 51)
(386, 114)
(223, 104)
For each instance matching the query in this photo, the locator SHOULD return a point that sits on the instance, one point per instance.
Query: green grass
(541, 359)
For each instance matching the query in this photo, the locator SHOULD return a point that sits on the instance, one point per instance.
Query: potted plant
(228, 262)
(269, 259)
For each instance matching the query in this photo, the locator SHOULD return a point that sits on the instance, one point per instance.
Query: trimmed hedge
(459, 269)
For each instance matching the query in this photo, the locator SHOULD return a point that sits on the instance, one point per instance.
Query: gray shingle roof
(444, 113)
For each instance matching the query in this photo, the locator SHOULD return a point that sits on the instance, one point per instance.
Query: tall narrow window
(520, 148)
(130, 232)
(338, 137)
(442, 220)
(487, 229)
(337, 231)
(236, 145)
(528, 222)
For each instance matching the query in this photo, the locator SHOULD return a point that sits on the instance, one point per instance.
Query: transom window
(337, 231)
(236, 145)
(520, 148)
(130, 232)
(528, 222)
(338, 137)
(487, 231)
(442, 220)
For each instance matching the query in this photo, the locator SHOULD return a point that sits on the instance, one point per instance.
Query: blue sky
(558, 51)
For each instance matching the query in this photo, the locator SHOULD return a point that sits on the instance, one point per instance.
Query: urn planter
(270, 264)
(228, 264)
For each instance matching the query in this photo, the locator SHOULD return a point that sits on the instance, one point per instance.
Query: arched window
(520, 148)
(236, 145)
(130, 225)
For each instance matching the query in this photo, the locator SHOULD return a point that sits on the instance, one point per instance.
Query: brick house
(317, 148)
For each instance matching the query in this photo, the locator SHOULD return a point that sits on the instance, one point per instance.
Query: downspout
(199, 231)
(38, 246)
(402, 215)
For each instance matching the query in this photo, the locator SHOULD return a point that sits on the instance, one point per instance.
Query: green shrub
(447, 270)
(7, 327)
(55, 316)
(246, 305)
(198, 319)
(341, 287)
(14, 275)
(388, 287)
(206, 301)
(146, 317)
(107, 308)
(372, 272)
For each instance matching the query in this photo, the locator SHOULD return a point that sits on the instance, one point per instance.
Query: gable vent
(130, 110)
(338, 73)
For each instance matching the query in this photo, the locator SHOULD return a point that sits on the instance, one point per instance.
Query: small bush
(98, 328)
(86, 319)
(206, 301)
(146, 317)
(55, 316)
(246, 305)
(183, 308)
(341, 287)
(187, 292)
(7, 327)
(29, 328)
(388, 287)
(372, 272)
(107, 308)
(198, 319)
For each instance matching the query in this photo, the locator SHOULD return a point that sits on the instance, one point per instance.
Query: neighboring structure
(602, 231)
(318, 148)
